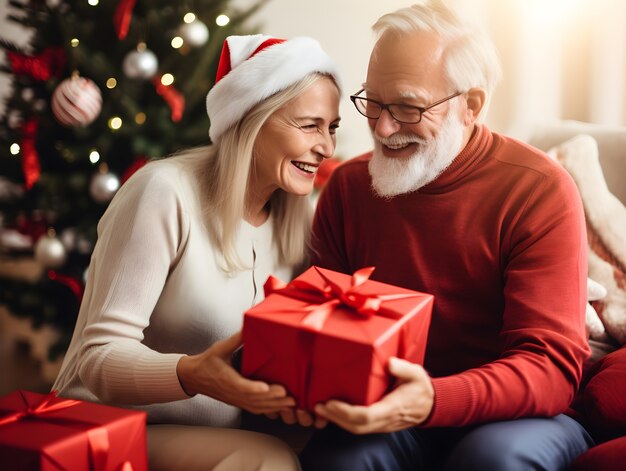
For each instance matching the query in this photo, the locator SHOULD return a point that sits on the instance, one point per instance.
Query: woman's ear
(475, 100)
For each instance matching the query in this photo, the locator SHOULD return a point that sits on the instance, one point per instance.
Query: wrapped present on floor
(45, 432)
(327, 335)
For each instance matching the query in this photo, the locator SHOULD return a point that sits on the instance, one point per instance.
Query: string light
(189, 18)
(15, 148)
(177, 42)
(140, 118)
(111, 82)
(94, 156)
(115, 123)
(74, 42)
(93, 3)
(167, 79)
(222, 20)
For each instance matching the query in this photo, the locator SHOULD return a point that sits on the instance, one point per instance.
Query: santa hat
(253, 68)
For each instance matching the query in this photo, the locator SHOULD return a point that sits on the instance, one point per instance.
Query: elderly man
(493, 229)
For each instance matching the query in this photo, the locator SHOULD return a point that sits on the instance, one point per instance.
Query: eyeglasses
(406, 114)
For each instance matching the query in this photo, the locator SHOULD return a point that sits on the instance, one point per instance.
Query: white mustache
(400, 140)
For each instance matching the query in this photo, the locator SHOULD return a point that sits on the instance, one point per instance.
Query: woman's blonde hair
(224, 169)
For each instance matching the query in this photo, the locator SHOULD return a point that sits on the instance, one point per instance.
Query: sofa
(595, 156)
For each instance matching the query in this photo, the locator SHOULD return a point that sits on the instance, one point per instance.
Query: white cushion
(611, 142)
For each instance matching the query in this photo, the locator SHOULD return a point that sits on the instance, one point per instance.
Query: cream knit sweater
(155, 293)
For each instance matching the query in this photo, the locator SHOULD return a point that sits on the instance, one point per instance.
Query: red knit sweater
(499, 239)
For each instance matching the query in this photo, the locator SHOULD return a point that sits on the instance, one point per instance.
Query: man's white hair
(471, 59)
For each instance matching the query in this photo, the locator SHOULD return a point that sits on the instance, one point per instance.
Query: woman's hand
(211, 373)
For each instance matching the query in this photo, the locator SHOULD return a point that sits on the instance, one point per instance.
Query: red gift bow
(328, 297)
(41, 67)
(98, 437)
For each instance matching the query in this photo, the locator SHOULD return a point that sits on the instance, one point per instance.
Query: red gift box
(327, 335)
(45, 432)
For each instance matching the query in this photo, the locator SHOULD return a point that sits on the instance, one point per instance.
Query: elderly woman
(184, 249)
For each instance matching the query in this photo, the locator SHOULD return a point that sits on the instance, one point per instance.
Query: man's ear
(476, 99)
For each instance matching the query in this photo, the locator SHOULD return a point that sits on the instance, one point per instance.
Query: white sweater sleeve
(140, 238)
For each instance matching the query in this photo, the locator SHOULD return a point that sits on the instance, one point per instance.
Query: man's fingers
(357, 419)
(339, 415)
(405, 370)
(320, 422)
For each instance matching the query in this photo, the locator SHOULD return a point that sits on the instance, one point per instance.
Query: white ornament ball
(77, 101)
(40, 105)
(28, 94)
(195, 33)
(14, 119)
(83, 246)
(68, 238)
(103, 186)
(140, 64)
(50, 252)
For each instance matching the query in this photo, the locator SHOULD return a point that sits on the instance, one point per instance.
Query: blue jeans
(547, 444)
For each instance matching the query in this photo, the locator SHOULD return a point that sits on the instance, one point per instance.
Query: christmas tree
(102, 88)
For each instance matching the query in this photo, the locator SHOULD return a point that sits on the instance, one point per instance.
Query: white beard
(392, 177)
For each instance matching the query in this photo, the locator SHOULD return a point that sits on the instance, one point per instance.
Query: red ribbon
(122, 16)
(174, 99)
(41, 67)
(328, 297)
(30, 158)
(97, 437)
(72, 283)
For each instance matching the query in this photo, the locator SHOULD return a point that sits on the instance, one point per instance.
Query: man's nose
(385, 125)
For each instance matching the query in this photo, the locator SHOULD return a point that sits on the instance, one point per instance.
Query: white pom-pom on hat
(255, 67)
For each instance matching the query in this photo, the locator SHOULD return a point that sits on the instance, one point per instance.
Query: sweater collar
(474, 151)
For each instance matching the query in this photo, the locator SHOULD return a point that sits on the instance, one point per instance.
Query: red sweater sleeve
(543, 331)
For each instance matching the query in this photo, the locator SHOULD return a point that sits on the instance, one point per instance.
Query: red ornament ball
(77, 101)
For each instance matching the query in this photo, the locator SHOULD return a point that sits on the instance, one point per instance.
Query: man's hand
(408, 405)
